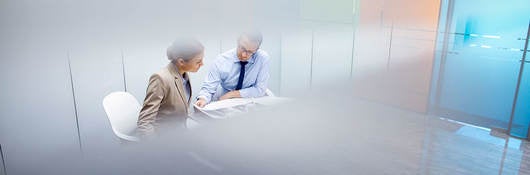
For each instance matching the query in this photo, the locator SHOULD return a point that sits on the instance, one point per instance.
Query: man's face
(194, 64)
(246, 48)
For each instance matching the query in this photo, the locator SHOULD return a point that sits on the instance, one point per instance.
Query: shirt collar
(176, 69)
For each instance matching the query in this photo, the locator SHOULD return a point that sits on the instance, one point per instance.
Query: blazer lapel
(178, 83)
(188, 85)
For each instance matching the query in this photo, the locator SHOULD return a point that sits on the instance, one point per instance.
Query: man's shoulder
(226, 57)
(262, 56)
(228, 54)
(262, 53)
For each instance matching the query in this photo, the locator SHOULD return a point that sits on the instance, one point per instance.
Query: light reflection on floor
(468, 149)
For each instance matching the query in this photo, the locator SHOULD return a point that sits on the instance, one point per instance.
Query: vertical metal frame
(3, 160)
(123, 71)
(519, 79)
(75, 102)
(443, 57)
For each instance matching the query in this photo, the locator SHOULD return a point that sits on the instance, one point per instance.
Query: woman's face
(192, 65)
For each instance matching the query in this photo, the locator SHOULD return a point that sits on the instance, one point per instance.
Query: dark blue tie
(241, 75)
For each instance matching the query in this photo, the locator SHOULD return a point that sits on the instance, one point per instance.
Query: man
(169, 91)
(242, 72)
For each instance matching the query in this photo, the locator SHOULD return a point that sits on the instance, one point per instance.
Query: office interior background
(461, 60)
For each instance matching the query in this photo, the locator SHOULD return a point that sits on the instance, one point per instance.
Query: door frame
(519, 79)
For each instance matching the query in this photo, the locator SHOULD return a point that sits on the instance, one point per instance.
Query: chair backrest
(269, 93)
(122, 110)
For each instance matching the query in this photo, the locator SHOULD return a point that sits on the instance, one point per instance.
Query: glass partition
(479, 53)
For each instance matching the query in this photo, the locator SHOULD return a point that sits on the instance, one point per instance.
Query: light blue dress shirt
(185, 81)
(224, 74)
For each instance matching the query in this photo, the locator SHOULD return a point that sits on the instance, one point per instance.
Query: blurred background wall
(59, 58)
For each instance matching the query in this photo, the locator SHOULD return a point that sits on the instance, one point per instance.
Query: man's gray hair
(184, 48)
(252, 35)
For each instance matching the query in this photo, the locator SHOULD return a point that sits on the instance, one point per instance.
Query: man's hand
(231, 94)
(201, 102)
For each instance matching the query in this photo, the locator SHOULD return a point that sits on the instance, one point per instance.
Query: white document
(229, 107)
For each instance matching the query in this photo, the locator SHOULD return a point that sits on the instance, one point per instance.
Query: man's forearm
(252, 92)
(231, 94)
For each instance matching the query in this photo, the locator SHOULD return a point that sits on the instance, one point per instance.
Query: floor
(306, 137)
(456, 148)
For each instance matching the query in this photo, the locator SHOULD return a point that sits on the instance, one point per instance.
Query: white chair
(122, 110)
(269, 93)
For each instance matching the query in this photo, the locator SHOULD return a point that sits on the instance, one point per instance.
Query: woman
(169, 91)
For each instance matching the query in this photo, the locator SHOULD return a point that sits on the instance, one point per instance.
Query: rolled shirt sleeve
(211, 82)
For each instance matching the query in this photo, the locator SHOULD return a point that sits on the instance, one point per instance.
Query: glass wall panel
(480, 60)
(332, 53)
(37, 116)
(296, 62)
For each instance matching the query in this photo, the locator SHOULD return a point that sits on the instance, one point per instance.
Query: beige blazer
(165, 104)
